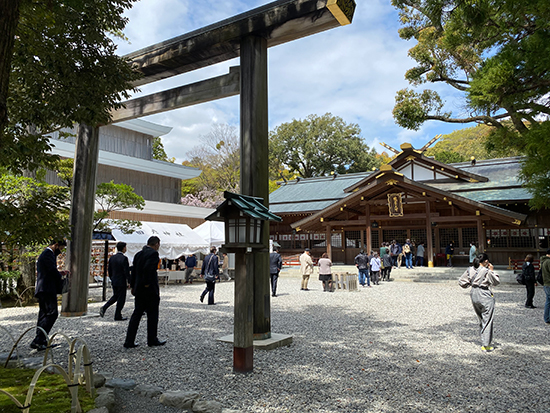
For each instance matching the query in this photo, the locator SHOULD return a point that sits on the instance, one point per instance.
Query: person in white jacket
(480, 276)
(306, 268)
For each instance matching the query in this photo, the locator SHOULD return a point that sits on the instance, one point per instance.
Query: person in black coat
(275, 265)
(528, 273)
(210, 266)
(119, 272)
(145, 287)
(48, 285)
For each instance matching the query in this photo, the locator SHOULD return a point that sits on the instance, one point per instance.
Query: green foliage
(158, 151)
(115, 197)
(462, 144)
(319, 145)
(51, 394)
(64, 70)
(535, 171)
(495, 52)
(110, 197)
(31, 212)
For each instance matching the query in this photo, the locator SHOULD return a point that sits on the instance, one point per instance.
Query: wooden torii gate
(247, 35)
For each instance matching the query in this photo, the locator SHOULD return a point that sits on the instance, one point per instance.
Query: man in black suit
(145, 287)
(48, 285)
(275, 265)
(119, 271)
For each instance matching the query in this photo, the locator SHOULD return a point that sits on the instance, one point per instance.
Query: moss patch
(51, 394)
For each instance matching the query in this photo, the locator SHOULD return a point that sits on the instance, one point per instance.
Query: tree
(62, 70)
(109, 196)
(319, 145)
(462, 144)
(31, 214)
(496, 54)
(218, 157)
(158, 151)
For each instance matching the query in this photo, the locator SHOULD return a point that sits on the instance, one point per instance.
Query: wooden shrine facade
(410, 198)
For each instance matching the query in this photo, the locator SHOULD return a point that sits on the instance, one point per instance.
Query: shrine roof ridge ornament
(279, 22)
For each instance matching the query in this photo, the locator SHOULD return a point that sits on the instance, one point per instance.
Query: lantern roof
(249, 205)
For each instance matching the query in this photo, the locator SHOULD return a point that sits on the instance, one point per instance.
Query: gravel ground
(397, 347)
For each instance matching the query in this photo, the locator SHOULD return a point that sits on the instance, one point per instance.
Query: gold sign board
(395, 204)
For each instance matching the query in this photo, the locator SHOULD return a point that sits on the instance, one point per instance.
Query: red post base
(243, 359)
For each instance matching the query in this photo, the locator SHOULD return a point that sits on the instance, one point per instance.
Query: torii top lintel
(279, 22)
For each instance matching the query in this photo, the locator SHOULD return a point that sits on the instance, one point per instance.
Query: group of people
(141, 278)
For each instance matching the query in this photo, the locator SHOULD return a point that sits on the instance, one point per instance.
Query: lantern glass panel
(242, 230)
(259, 225)
(232, 223)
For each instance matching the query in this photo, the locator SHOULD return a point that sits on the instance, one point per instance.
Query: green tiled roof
(315, 194)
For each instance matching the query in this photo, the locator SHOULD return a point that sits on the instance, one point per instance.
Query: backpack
(406, 248)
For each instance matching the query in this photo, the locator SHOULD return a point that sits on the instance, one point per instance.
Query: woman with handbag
(528, 278)
(480, 277)
(210, 272)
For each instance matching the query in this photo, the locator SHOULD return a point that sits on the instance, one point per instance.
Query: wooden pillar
(75, 302)
(429, 244)
(254, 164)
(328, 238)
(368, 229)
(243, 328)
(481, 235)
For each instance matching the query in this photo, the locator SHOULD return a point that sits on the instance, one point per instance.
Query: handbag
(209, 277)
(64, 285)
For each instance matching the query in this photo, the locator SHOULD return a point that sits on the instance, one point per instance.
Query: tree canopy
(62, 70)
(319, 145)
(496, 54)
(218, 156)
(462, 144)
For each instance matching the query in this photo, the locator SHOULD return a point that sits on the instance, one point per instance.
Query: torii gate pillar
(254, 164)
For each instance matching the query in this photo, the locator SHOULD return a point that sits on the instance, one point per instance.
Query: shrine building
(413, 197)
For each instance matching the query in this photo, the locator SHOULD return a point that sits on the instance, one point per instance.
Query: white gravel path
(397, 347)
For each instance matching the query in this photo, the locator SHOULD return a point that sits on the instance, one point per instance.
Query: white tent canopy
(175, 240)
(213, 232)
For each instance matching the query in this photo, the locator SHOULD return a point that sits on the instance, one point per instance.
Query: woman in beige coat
(306, 268)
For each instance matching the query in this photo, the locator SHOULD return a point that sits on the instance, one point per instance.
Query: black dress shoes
(157, 343)
(39, 346)
(121, 319)
(130, 345)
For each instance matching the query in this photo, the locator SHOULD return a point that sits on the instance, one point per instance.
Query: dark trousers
(210, 290)
(144, 303)
(274, 279)
(119, 297)
(419, 261)
(47, 314)
(530, 293)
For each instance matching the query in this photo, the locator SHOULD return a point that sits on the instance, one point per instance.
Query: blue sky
(352, 71)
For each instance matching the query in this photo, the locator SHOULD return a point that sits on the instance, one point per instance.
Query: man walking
(146, 290)
(275, 265)
(119, 271)
(362, 264)
(190, 263)
(306, 268)
(48, 285)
